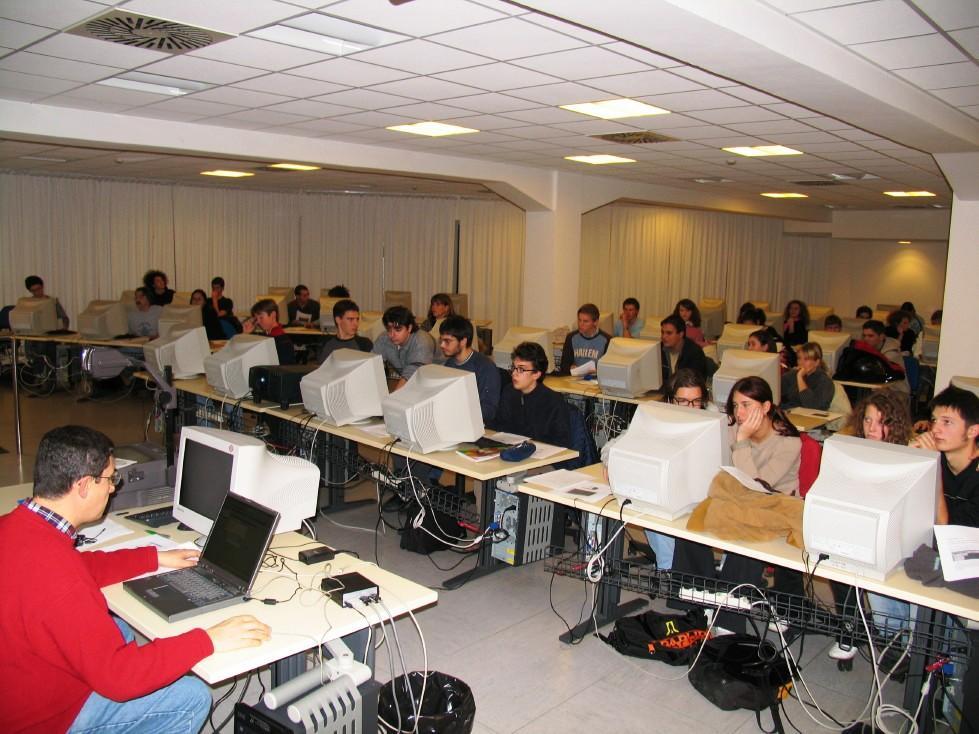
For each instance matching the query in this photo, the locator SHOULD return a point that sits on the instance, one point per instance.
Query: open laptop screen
(240, 537)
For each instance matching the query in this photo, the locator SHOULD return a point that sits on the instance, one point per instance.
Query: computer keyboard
(195, 587)
(154, 518)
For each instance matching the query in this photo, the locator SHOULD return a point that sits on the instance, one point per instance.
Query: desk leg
(608, 595)
(336, 472)
(485, 563)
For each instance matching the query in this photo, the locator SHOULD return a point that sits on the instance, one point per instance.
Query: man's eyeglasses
(115, 477)
(522, 370)
(695, 403)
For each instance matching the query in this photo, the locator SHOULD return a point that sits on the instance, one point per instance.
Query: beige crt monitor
(281, 290)
(281, 303)
(327, 323)
(460, 303)
(397, 298)
(735, 336)
(371, 325)
(818, 314)
(713, 312)
(35, 315)
(832, 343)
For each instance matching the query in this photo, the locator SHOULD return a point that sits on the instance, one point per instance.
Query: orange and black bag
(669, 638)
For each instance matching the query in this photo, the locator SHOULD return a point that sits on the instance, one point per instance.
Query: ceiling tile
(124, 98)
(228, 16)
(798, 6)
(971, 110)
(497, 77)
(260, 54)
(951, 14)
(704, 132)
(83, 103)
(96, 52)
(294, 86)
(424, 111)
(490, 103)
(264, 117)
(52, 66)
(365, 99)
(349, 72)
(49, 13)
(569, 29)
(201, 70)
(791, 139)
(323, 127)
(563, 93)
(943, 76)
(644, 84)
(545, 115)
(736, 115)
(969, 39)
(903, 53)
(193, 106)
(421, 57)
(425, 88)
(705, 99)
(15, 35)
(34, 83)
(483, 122)
(870, 21)
(542, 132)
(770, 127)
(643, 55)
(703, 77)
(374, 119)
(418, 18)
(959, 95)
(507, 39)
(790, 110)
(311, 108)
(582, 63)
(240, 97)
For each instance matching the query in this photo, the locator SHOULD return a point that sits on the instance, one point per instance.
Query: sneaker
(839, 652)
(777, 624)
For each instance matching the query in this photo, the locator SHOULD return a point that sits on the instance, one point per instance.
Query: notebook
(229, 563)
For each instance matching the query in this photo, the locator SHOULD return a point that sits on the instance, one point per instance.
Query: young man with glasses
(527, 406)
(70, 665)
(404, 347)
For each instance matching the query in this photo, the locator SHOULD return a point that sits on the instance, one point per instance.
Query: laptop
(229, 563)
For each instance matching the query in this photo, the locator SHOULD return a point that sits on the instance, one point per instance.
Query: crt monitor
(176, 316)
(518, 334)
(872, 505)
(853, 327)
(738, 363)
(930, 339)
(667, 458)
(103, 320)
(630, 367)
(713, 311)
(967, 383)
(734, 336)
(347, 388)
(281, 290)
(281, 303)
(371, 324)
(606, 322)
(326, 314)
(227, 369)
(212, 461)
(833, 343)
(184, 350)
(34, 316)
(437, 409)
(460, 303)
(397, 298)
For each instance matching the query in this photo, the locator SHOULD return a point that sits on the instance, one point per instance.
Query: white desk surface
(298, 625)
(76, 338)
(776, 552)
(591, 389)
(448, 460)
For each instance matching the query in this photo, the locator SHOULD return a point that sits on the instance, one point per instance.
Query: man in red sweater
(68, 664)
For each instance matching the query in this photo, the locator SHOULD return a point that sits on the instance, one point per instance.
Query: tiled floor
(497, 633)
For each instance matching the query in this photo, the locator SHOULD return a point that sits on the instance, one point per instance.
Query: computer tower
(259, 719)
(528, 522)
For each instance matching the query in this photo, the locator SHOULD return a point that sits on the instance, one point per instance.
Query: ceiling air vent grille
(143, 31)
(640, 137)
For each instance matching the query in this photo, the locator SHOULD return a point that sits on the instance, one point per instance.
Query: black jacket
(691, 357)
(542, 415)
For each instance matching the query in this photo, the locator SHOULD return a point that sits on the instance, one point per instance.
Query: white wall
(960, 338)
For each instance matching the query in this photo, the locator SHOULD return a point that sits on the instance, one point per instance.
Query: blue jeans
(180, 708)
(662, 546)
(891, 616)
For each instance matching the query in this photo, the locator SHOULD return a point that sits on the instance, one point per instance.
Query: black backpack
(669, 638)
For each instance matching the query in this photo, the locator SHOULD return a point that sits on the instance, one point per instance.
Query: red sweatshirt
(59, 643)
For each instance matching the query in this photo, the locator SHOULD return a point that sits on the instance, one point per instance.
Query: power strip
(720, 599)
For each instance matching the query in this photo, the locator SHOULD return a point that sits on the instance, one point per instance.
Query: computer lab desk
(301, 624)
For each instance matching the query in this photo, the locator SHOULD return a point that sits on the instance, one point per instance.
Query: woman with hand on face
(808, 385)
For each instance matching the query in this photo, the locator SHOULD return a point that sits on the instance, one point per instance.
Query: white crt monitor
(515, 335)
(103, 320)
(281, 303)
(180, 316)
(967, 383)
(833, 343)
(397, 298)
(735, 336)
(35, 316)
(326, 313)
(872, 505)
(371, 324)
(738, 363)
(227, 369)
(184, 350)
(347, 388)
(630, 367)
(606, 322)
(213, 461)
(667, 458)
(437, 409)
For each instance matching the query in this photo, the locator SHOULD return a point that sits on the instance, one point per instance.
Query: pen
(162, 535)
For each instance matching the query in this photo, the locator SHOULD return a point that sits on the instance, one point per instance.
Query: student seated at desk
(346, 316)
(68, 663)
(763, 341)
(265, 316)
(833, 323)
(156, 284)
(338, 291)
(766, 447)
(795, 323)
(864, 312)
(809, 385)
(145, 319)
(886, 348)
(456, 337)
(678, 351)
(527, 406)
(35, 285)
(899, 328)
(303, 311)
(219, 313)
(584, 345)
(439, 307)
(404, 347)
(629, 324)
(688, 311)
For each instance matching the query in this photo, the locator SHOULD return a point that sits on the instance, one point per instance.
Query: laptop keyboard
(197, 588)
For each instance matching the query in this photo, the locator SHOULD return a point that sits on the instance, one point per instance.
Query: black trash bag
(439, 526)
(448, 707)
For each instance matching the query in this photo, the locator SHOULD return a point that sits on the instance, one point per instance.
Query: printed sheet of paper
(958, 547)
(102, 532)
(559, 479)
(745, 479)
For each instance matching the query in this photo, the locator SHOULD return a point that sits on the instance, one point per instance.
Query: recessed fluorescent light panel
(432, 129)
(154, 84)
(756, 151)
(227, 174)
(44, 158)
(615, 109)
(293, 167)
(904, 242)
(598, 160)
(785, 195)
(325, 34)
(908, 193)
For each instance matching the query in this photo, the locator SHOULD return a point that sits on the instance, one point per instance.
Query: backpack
(669, 638)
(437, 523)
(862, 363)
